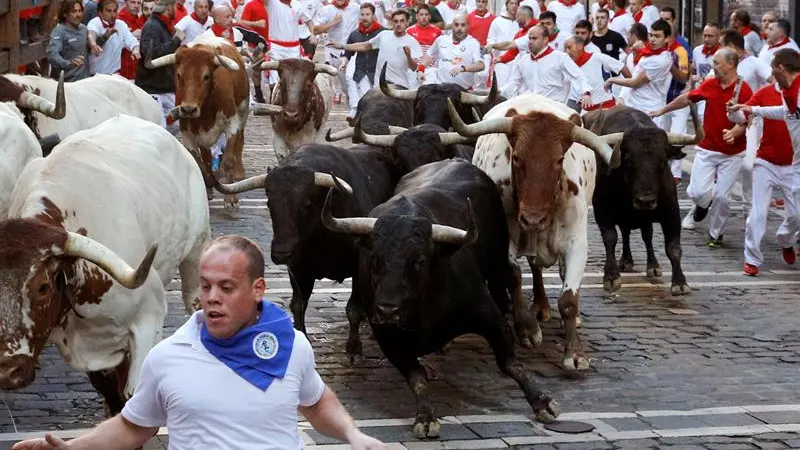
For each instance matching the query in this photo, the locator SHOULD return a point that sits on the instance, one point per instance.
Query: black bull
(431, 268)
(639, 192)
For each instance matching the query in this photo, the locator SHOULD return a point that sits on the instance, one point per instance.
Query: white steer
(106, 198)
(19, 147)
(543, 162)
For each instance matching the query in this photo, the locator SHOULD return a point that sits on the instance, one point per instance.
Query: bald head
(222, 15)
(725, 61)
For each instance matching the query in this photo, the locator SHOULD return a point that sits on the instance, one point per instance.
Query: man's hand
(96, 50)
(137, 34)
(361, 441)
(335, 45)
(260, 23)
(746, 108)
(586, 101)
(337, 19)
(655, 113)
(609, 82)
(180, 34)
(407, 51)
(456, 70)
(51, 442)
(77, 61)
(421, 77)
(730, 135)
(136, 54)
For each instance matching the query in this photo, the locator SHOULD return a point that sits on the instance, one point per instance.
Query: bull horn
(390, 91)
(162, 61)
(326, 68)
(378, 140)
(396, 130)
(452, 235)
(469, 98)
(613, 139)
(80, 246)
(248, 184)
(32, 101)
(174, 113)
(453, 138)
(475, 115)
(328, 180)
(264, 109)
(352, 225)
(226, 62)
(499, 125)
(583, 136)
(688, 139)
(339, 135)
(270, 65)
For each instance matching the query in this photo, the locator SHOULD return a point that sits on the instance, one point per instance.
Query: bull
(122, 192)
(640, 192)
(376, 114)
(295, 194)
(544, 164)
(19, 148)
(300, 104)
(212, 98)
(431, 269)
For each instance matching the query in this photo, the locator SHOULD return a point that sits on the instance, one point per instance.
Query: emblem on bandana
(265, 345)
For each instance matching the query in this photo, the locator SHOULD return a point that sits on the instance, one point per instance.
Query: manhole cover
(569, 427)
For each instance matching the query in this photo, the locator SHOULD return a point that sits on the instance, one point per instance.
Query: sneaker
(750, 270)
(700, 213)
(789, 255)
(688, 222)
(714, 242)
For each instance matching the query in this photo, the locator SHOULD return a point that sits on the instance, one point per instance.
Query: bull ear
(675, 152)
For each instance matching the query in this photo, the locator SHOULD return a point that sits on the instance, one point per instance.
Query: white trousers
(503, 72)
(167, 102)
(702, 191)
(766, 178)
(675, 122)
(356, 90)
(753, 135)
(278, 53)
(334, 58)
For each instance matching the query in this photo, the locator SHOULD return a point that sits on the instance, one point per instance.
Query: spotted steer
(123, 192)
(544, 165)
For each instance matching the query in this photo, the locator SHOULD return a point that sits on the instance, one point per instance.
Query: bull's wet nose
(189, 109)
(388, 314)
(16, 372)
(530, 221)
(291, 114)
(645, 202)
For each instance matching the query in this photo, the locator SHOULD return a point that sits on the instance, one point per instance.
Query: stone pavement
(733, 343)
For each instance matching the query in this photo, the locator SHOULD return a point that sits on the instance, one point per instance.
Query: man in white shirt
(621, 20)
(583, 30)
(558, 36)
(338, 19)
(778, 34)
(547, 72)
(107, 37)
(503, 29)
(396, 49)
(308, 41)
(701, 55)
(651, 76)
(196, 23)
(458, 57)
(592, 65)
(449, 10)
(284, 32)
(568, 13)
(642, 15)
(235, 375)
(740, 21)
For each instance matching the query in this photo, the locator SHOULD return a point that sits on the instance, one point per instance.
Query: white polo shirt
(550, 75)
(449, 55)
(206, 405)
(110, 60)
(567, 16)
(192, 28)
(390, 51)
(653, 94)
(768, 50)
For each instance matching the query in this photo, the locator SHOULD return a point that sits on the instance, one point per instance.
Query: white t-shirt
(701, 62)
(284, 20)
(754, 71)
(557, 43)
(341, 31)
(110, 60)
(390, 51)
(551, 76)
(596, 7)
(310, 10)
(192, 28)
(502, 29)
(593, 69)
(448, 14)
(753, 42)
(567, 16)
(766, 52)
(450, 55)
(206, 405)
(622, 24)
(653, 94)
(534, 5)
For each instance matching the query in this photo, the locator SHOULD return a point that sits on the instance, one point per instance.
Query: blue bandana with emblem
(259, 353)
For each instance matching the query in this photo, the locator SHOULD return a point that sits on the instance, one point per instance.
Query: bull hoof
(542, 311)
(653, 272)
(529, 333)
(426, 427)
(626, 265)
(231, 203)
(354, 350)
(356, 360)
(578, 322)
(612, 285)
(546, 409)
(576, 361)
(681, 289)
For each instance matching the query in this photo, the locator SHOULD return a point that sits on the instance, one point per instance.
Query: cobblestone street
(717, 369)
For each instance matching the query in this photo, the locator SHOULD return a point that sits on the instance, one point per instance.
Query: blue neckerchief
(259, 353)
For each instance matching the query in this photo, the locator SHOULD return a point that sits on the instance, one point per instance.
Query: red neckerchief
(553, 36)
(222, 32)
(544, 7)
(638, 16)
(434, 2)
(480, 14)
(763, 36)
(197, 19)
(673, 45)
(451, 6)
(783, 42)
(343, 5)
(287, 2)
(619, 13)
(367, 30)
(710, 51)
(568, 2)
(546, 52)
(746, 30)
(648, 51)
(167, 22)
(524, 30)
(107, 25)
(585, 56)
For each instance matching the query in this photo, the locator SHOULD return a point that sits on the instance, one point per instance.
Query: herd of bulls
(429, 223)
